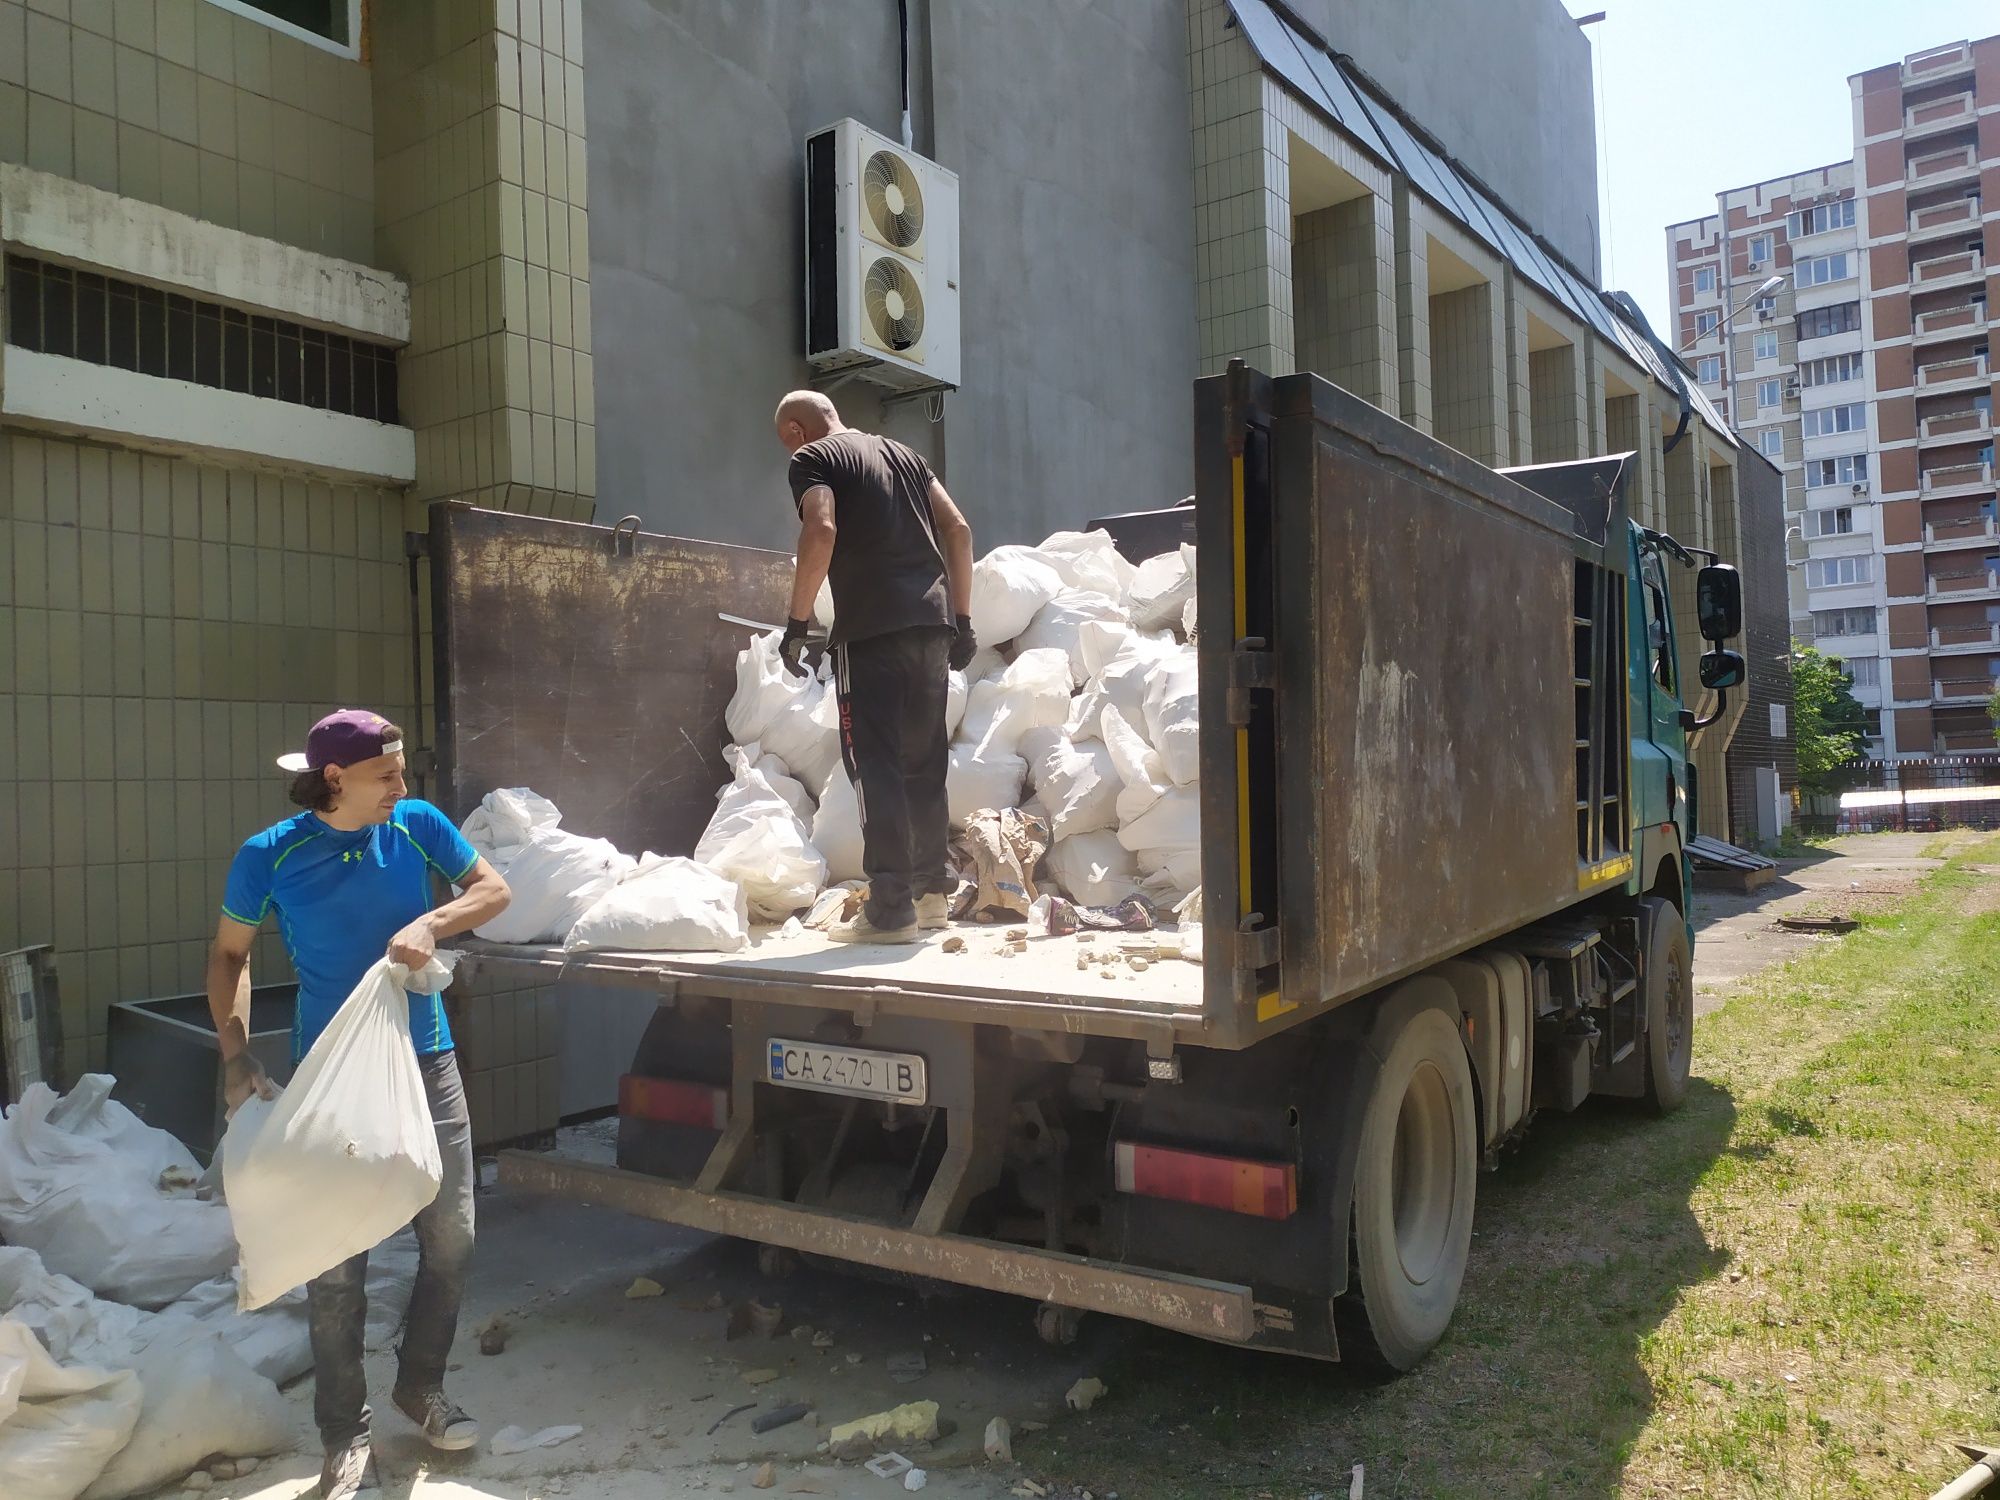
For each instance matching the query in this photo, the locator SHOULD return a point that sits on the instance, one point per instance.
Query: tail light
(1264, 1190)
(670, 1101)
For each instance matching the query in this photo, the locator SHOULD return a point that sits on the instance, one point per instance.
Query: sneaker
(349, 1471)
(445, 1424)
(933, 911)
(862, 930)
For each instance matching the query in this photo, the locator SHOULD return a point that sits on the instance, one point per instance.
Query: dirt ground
(647, 1378)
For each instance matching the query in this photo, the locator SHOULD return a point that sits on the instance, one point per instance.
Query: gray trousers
(338, 1301)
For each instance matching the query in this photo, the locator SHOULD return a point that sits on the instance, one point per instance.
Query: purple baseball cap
(344, 737)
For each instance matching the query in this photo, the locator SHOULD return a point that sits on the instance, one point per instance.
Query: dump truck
(1446, 799)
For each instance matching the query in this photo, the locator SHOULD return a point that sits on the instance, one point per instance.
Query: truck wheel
(1669, 980)
(1413, 1188)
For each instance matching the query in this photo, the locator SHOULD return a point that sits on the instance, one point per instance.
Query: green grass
(1789, 1288)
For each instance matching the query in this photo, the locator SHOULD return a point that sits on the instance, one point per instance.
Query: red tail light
(672, 1102)
(1264, 1190)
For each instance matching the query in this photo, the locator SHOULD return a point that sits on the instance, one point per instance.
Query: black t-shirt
(887, 571)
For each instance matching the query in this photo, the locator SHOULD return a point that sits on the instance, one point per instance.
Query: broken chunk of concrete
(644, 1286)
(999, 1441)
(1085, 1393)
(913, 1422)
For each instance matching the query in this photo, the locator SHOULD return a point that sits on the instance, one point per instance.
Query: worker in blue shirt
(348, 879)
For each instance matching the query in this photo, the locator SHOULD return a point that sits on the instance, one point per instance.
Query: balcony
(1971, 425)
(1951, 373)
(1951, 477)
(1943, 166)
(1938, 62)
(1962, 689)
(1960, 321)
(1966, 531)
(1954, 638)
(1962, 585)
(1944, 218)
(1938, 114)
(1946, 270)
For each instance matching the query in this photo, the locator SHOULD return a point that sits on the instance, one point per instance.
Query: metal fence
(1925, 794)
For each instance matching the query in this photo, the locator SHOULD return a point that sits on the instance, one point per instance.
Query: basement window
(102, 320)
(332, 24)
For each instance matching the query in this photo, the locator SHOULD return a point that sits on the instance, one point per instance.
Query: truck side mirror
(1721, 669)
(1718, 602)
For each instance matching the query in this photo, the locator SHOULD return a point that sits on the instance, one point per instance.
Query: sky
(1696, 96)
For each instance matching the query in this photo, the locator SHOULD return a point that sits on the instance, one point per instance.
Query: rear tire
(1669, 981)
(1414, 1176)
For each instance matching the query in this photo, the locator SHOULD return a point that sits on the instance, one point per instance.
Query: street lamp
(1770, 285)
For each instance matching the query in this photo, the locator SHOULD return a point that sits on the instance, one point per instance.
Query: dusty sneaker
(349, 1470)
(445, 1425)
(862, 930)
(933, 911)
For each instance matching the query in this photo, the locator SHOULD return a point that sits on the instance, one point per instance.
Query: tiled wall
(166, 629)
(196, 108)
(1557, 404)
(1343, 274)
(1413, 310)
(1468, 375)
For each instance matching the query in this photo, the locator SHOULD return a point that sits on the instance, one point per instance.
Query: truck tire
(1669, 981)
(1411, 1223)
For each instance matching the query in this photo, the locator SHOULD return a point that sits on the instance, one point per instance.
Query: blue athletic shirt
(340, 897)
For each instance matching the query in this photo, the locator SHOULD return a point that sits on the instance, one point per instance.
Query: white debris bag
(763, 687)
(757, 840)
(554, 875)
(805, 733)
(1120, 665)
(1059, 624)
(1008, 585)
(59, 1425)
(1089, 560)
(1094, 868)
(1162, 588)
(1173, 715)
(956, 689)
(786, 785)
(979, 781)
(104, 1198)
(347, 1154)
(987, 661)
(1033, 693)
(1138, 765)
(1171, 822)
(667, 903)
(836, 827)
(1076, 786)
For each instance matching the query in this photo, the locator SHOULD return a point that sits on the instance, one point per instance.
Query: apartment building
(1865, 376)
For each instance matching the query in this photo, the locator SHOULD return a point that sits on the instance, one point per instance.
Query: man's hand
(965, 646)
(242, 1076)
(792, 649)
(414, 945)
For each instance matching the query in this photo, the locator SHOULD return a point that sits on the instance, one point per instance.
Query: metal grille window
(54, 309)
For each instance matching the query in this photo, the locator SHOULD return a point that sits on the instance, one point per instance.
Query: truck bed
(1041, 988)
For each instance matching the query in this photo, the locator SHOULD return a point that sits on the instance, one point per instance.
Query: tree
(1993, 710)
(1828, 724)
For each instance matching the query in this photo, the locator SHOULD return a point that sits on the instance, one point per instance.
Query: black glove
(792, 649)
(964, 647)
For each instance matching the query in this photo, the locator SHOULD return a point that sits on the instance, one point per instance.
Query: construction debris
(908, 1367)
(783, 1416)
(759, 1377)
(644, 1286)
(510, 1440)
(493, 1336)
(914, 1422)
(1085, 1393)
(765, 1477)
(999, 1441)
(889, 1466)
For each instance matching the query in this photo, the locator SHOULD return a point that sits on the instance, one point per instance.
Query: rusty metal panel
(1187, 1304)
(1427, 760)
(590, 665)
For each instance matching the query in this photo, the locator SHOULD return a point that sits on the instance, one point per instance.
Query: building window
(1770, 393)
(1849, 468)
(1818, 270)
(1760, 250)
(1766, 345)
(1866, 671)
(1704, 323)
(1771, 442)
(1837, 572)
(1821, 322)
(1838, 520)
(1820, 218)
(1828, 419)
(333, 24)
(102, 320)
(1704, 280)
(1831, 371)
(1777, 720)
(1843, 622)
(1708, 369)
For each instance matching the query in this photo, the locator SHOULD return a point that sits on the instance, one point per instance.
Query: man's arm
(229, 1008)
(483, 895)
(816, 533)
(955, 539)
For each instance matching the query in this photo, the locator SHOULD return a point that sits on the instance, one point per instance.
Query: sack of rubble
(1075, 784)
(757, 840)
(1032, 693)
(1060, 624)
(1009, 584)
(836, 827)
(1089, 561)
(792, 717)
(1119, 666)
(1173, 714)
(1093, 868)
(1161, 589)
(666, 904)
(555, 875)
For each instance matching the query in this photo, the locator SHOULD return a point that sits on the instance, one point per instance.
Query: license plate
(849, 1070)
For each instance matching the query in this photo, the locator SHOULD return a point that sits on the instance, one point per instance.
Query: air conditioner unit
(1755, 265)
(1764, 315)
(1861, 489)
(1792, 388)
(881, 260)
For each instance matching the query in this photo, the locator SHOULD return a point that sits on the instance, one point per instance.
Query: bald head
(804, 417)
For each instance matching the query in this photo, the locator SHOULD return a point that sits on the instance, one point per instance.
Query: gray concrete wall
(1076, 268)
(1453, 63)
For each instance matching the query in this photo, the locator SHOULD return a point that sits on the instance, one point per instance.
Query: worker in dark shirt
(875, 524)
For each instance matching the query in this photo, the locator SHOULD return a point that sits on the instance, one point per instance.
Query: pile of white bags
(667, 903)
(555, 876)
(758, 840)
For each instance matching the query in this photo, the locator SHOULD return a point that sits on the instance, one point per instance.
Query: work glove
(964, 645)
(792, 649)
